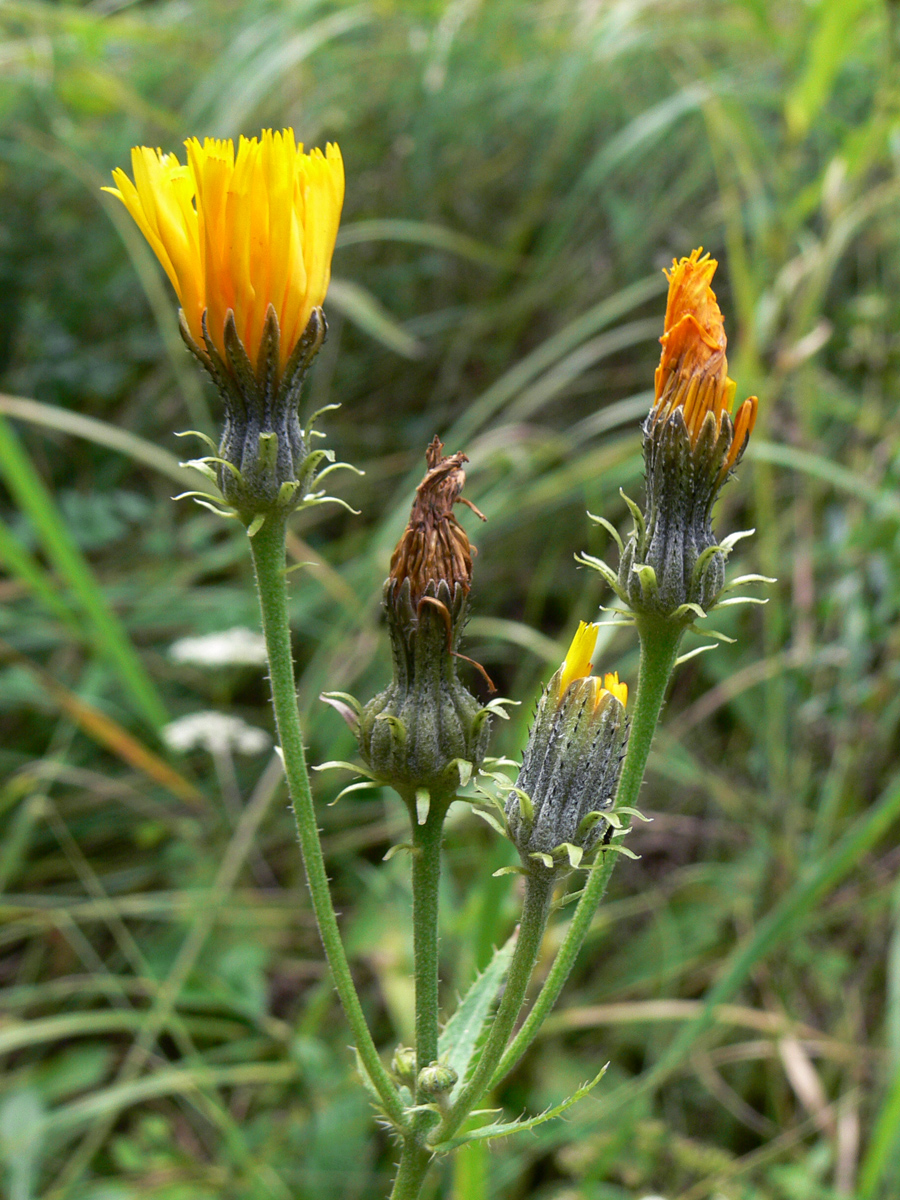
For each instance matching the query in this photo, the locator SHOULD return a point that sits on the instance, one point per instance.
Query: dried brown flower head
(434, 547)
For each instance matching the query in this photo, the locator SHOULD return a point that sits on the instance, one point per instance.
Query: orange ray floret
(693, 370)
(239, 232)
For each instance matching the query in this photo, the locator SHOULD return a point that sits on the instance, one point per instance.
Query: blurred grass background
(518, 173)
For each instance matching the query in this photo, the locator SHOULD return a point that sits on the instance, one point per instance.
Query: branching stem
(659, 649)
(538, 889)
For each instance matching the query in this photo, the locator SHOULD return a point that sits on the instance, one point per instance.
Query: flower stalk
(427, 837)
(269, 560)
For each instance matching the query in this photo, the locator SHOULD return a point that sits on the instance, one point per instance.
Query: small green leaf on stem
(463, 1031)
(505, 1128)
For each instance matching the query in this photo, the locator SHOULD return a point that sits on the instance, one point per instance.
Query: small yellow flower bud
(571, 765)
(577, 662)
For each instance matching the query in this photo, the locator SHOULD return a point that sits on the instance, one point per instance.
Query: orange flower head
(240, 232)
(693, 370)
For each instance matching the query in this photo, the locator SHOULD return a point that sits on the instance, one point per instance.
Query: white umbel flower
(216, 732)
(239, 647)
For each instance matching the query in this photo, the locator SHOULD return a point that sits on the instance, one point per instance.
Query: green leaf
(505, 1128)
(636, 515)
(683, 609)
(610, 529)
(339, 764)
(465, 770)
(491, 820)
(647, 576)
(604, 569)
(396, 850)
(742, 579)
(423, 805)
(363, 785)
(729, 543)
(732, 600)
(463, 1031)
(683, 658)
(573, 852)
(496, 706)
(634, 812)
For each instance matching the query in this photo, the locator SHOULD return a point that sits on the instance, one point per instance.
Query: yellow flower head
(240, 232)
(693, 371)
(577, 665)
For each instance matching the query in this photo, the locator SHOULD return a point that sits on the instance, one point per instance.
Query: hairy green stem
(659, 649)
(267, 548)
(426, 876)
(415, 1160)
(538, 889)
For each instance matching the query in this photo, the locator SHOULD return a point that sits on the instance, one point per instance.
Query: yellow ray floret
(577, 662)
(238, 232)
(693, 371)
(577, 665)
(619, 690)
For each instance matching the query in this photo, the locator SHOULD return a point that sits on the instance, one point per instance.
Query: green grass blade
(360, 306)
(174, 1081)
(107, 632)
(883, 1145)
(784, 920)
(421, 233)
(21, 564)
(549, 352)
(102, 433)
(471, 1173)
(884, 500)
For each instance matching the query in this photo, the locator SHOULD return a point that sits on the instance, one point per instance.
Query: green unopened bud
(265, 463)
(691, 445)
(403, 1064)
(415, 733)
(571, 765)
(436, 1080)
(673, 559)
